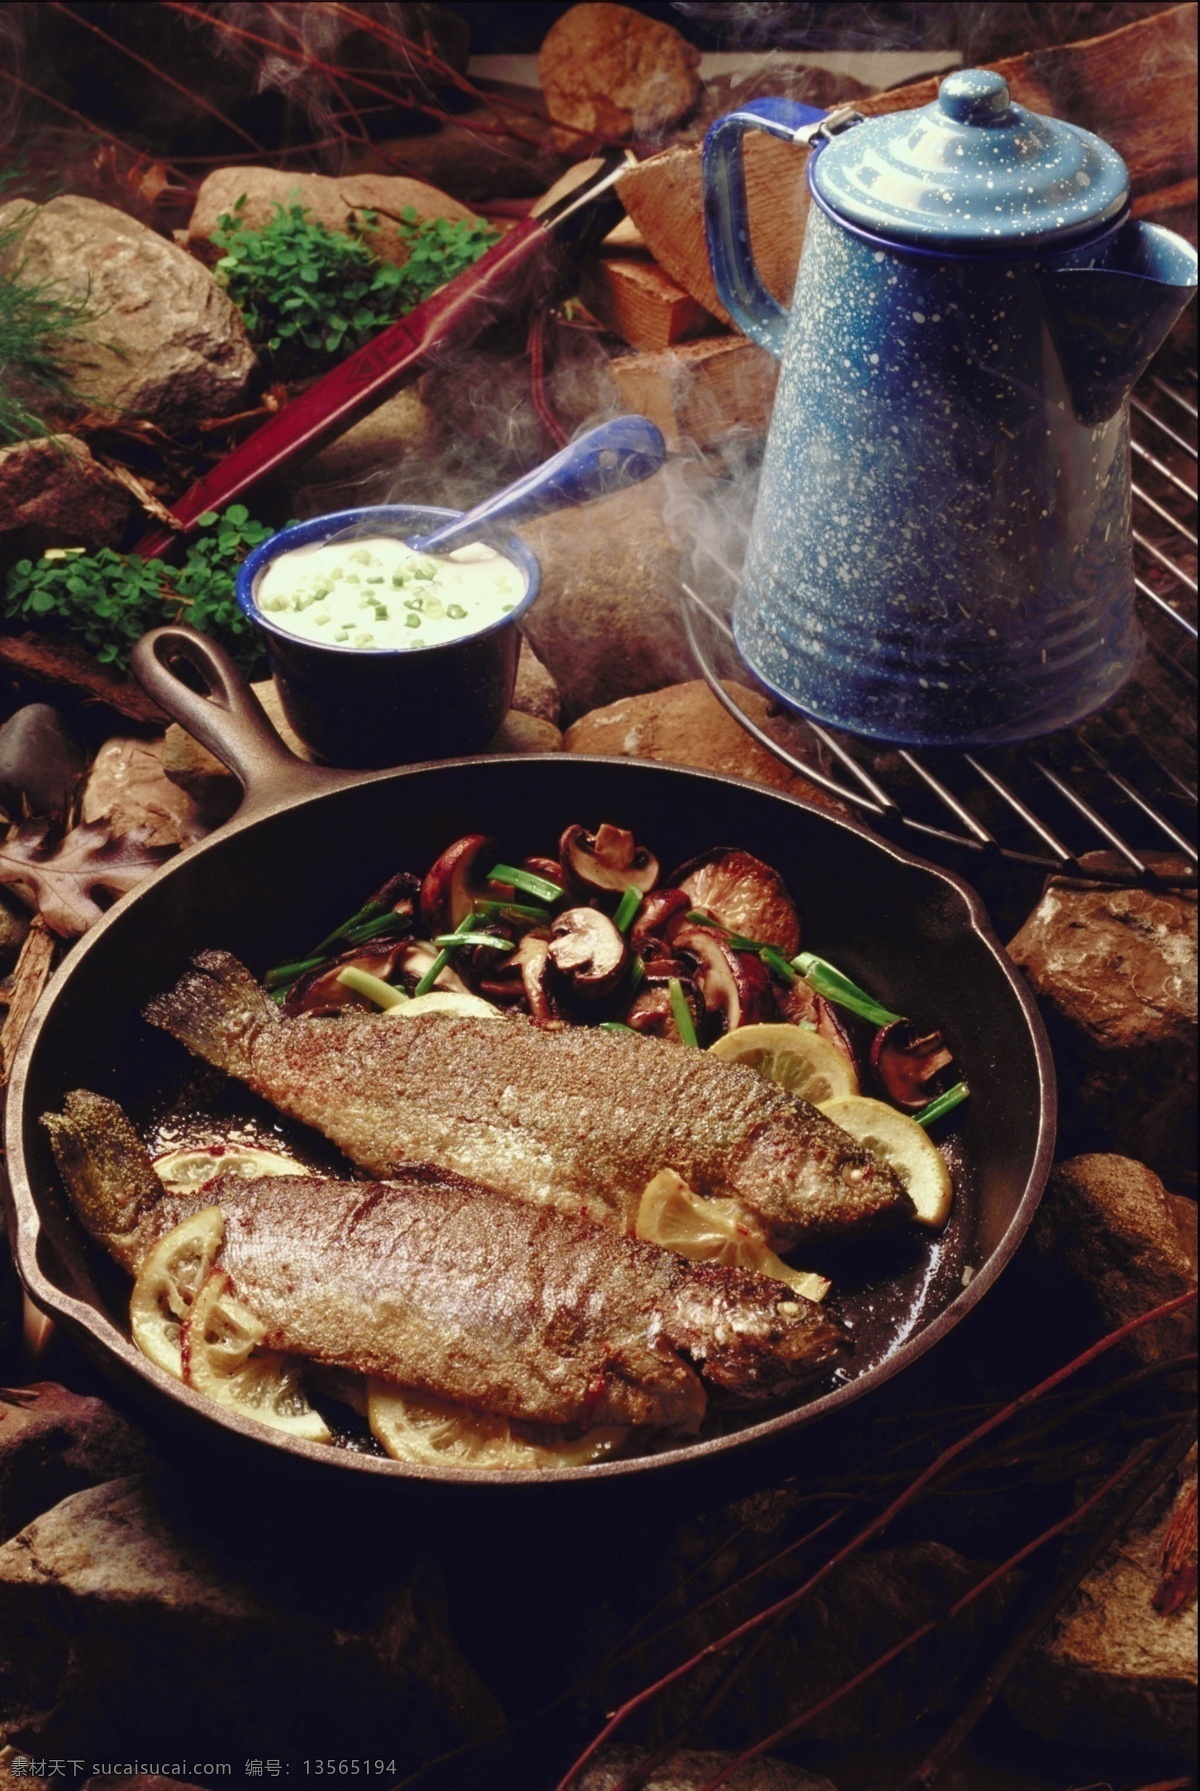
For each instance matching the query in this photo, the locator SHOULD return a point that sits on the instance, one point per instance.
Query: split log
(1134, 87)
(700, 391)
(51, 661)
(636, 301)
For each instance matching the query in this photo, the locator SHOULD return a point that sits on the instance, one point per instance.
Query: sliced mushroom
(536, 973)
(660, 911)
(800, 1005)
(609, 859)
(744, 894)
(549, 868)
(456, 880)
(319, 992)
(418, 957)
(588, 953)
(651, 1011)
(400, 893)
(734, 985)
(907, 1064)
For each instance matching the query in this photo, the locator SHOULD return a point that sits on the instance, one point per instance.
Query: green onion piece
(371, 929)
(455, 939)
(637, 974)
(703, 920)
(627, 907)
(370, 912)
(614, 1026)
(774, 960)
(682, 1013)
(279, 996)
(288, 973)
(439, 963)
(945, 1103)
(539, 887)
(512, 911)
(373, 987)
(828, 981)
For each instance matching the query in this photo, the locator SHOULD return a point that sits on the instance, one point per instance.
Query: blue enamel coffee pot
(940, 552)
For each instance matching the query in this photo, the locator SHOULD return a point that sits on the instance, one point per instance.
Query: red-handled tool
(451, 316)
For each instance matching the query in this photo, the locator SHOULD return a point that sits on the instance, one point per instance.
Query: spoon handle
(618, 453)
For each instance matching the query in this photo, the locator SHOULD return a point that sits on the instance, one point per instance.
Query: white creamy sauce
(373, 592)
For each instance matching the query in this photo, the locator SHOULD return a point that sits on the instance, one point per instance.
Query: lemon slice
(168, 1282)
(187, 1171)
(800, 1061)
(713, 1231)
(905, 1147)
(220, 1350)
(435, 1433)
(442, 1001)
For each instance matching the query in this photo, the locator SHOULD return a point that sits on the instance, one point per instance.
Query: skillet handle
(225, 716)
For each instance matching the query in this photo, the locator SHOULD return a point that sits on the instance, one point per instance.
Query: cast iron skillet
(309, 842)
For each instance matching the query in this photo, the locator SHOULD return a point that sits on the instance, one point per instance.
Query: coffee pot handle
(726, 221)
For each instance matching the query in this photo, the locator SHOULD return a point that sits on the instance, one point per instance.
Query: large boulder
(612, 72)
(57, 495)
(686, 725)
(54, 1442)
(141, 1611)
(1114, 972)
(339, 202)
(1118, 1669)
(1111, 1224)
(163, 342)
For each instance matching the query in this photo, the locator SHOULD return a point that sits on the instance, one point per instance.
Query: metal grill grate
(1123, 781)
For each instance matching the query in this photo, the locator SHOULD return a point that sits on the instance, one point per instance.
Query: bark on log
(700, 391)
(1134, 87)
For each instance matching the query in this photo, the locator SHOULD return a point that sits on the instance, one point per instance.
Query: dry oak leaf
(58, 879)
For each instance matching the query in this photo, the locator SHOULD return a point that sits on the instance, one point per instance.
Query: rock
(375, 444)
(535, 692)
(148, 1609)
(54, 1442)
(690, 1771)
(164, 343)
(615, 73)
(686, 725)
(59, 496)
(41, 763)
(338, 202)
(1114, 1672)
(524, 733)
(129, 787)
(607, 621)
(1110, 1222)
(1114, 972)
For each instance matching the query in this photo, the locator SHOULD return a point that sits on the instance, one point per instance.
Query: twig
(161, 74)
(536, 346)
(924, 1629)
(93, 130)
(1179, 1445)
(872, 1529)
(30, 976)
(150, 504)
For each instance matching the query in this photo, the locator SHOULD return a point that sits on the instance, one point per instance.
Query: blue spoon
(621, 452)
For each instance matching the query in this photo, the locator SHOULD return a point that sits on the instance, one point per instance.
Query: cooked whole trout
(437, 1284)
(579, 1118)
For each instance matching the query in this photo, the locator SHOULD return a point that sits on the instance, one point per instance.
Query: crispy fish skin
(439, 1285)
(579, 1118)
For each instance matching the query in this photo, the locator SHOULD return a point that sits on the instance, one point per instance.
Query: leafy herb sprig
(107, 600)
(305, 291)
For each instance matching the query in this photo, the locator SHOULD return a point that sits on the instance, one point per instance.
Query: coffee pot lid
(972, 170)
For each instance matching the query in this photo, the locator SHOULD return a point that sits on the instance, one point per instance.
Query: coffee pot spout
(1108, 320)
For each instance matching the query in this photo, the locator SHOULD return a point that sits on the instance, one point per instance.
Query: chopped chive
(945, 1103)
(830, 982)
(512, 911)
(373, 987)
(701, 919)
(538, 887)
(627, 907)
(279, 996)
(637, 974)
(439, 963)
(682, 1012)
(614, 1026)
(456, 939)
(774, 960)
(371, 929)
(369, 912)
(412, 621)
(456, 612)
(288, 973)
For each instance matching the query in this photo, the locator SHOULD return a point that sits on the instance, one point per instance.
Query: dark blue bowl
(370, 707)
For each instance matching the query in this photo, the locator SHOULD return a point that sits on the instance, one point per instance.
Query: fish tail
(107, 1171)
(217, 1010)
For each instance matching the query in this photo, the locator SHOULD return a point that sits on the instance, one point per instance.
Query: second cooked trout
(578, 1118)
(436, 1284)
